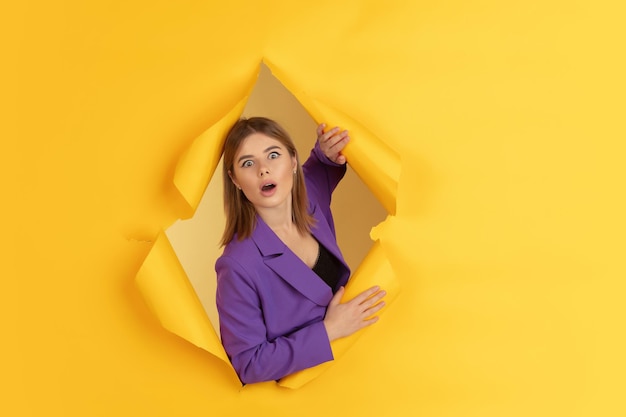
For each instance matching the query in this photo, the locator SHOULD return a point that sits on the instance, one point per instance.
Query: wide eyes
(249, 162)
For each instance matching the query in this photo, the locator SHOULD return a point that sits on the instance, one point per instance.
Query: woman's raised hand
(332, 143)
(343, 319)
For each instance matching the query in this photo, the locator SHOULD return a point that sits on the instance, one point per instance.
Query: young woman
(281, 276)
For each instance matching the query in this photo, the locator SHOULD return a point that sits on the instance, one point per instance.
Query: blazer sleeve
(321, 176)
(244, 335)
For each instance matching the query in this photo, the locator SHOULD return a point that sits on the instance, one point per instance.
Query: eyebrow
(242, 157)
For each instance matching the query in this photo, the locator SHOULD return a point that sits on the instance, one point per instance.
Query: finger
(374, 309)
(373, 299)
(369, 322)
(365, 294)
(341, 160)
(320, 129)
(336, 132)
(338, 142)
(326, 136)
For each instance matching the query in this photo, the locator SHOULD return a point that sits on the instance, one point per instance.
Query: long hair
(240, 213)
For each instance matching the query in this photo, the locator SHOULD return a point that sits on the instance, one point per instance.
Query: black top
(327, 267)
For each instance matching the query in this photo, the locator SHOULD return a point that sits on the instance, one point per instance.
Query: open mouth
(268, 187)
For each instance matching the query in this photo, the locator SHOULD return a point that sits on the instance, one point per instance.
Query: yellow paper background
(508, 236)
(165, 276)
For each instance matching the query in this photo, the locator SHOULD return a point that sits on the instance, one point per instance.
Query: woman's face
(264, 170)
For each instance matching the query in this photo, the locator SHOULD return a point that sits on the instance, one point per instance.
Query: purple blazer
(271, 305)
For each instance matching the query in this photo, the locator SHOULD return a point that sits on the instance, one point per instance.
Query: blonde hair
(240, 213)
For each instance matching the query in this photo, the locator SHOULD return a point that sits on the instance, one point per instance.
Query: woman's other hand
(343, 319)
(332, 143)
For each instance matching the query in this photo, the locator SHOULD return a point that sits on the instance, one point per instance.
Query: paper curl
(374, 270)
(196, 166)
(165, 285)
(169, 294)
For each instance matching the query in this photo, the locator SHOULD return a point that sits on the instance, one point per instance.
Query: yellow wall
(508, 239)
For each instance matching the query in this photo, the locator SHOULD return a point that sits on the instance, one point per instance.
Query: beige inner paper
(177, 278)
(356, 210)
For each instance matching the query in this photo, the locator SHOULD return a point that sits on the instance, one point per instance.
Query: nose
(263, 171)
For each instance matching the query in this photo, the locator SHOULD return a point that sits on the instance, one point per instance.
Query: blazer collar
(278, 257)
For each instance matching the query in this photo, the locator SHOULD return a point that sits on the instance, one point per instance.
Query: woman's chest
(286, 309)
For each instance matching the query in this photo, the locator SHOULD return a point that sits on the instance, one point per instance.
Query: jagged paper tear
(165, 285)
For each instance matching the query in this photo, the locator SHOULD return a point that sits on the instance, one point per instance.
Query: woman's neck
(279, 219)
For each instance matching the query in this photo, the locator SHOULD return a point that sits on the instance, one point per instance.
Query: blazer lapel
(324, 235)
(288, 266)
